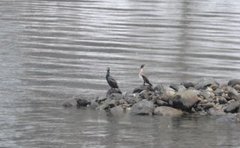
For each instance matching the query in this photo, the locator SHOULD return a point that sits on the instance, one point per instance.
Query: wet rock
(113, 90)
(132, 98)
(82, 102)
(143, 107)
(206, 94)
(216, 112)
(206, 82)
(187, 84)
(186, 100)
(218, 92)
(165, 92)
(68, 104)
(232, 93)
(107, 104)
(177, 87)
(93, 104)
(161, 103)
(141, 88)
(167, 111)
(145, 94)
(115, 96)
(117, 111)
(99, 100)
(233, 107)
(221, 100)
(234, 82)
(237, 87)
(207, 105)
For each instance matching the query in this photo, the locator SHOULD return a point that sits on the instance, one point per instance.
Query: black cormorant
(141, 75)
(111, 81)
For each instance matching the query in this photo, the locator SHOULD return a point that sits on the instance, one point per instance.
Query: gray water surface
(52, 50)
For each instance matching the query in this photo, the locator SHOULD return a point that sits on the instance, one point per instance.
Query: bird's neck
(108, 74)
(140, 73)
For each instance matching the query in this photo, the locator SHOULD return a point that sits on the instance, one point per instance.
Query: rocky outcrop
(204, 97)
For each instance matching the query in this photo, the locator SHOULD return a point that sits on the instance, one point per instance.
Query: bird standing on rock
(141, 75)
(111, 81)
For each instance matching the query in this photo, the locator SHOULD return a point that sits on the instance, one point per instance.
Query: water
(52, 50)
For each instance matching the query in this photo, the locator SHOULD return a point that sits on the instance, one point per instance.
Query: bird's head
(108, 69)
(142, 66)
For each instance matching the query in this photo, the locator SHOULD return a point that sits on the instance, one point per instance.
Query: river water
(52, 50)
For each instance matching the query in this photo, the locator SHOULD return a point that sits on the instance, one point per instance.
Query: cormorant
(111, 81)
(141, 75)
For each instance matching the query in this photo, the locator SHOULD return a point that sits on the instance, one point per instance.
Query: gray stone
(186, 99)
(113, 90)
(216, 112)
(143, 107)
(145, 94)
(207, 105)
(234, 82)
(165, 92)
(116, 96)
(221, 100)
(132, 98)
(68, 104)
(167, 111)
(82, 102)
(187, 84)
(233, 107)
(205, 82)
(93, 104)
(233, 94)
(117, 111)
(161, 103)
(141, 88)
(107, 104)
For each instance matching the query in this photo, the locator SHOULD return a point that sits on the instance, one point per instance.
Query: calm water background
(52, 50)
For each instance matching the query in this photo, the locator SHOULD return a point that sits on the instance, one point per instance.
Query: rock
(186, 99)
(107, 104)
(205, 82)
(161, 103)
(234, 82)
(206, 94)
(177, 87)
(67, 104)
(141, 88)
(82, 102)
(117, 111)
(233, 107)
(93, 104)
(143, 107)
(187, 84)
(221, 100)
(132, 98)
(218, 92)
(207, 105)
(232, 93)
(237, 87)
(215, 112)
(167, 111)
(145, 94)
(99, 100)
(113, 90)
(165, 92)
(115, 96)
